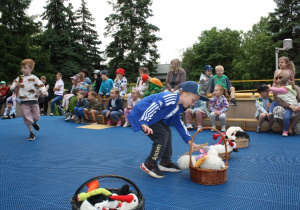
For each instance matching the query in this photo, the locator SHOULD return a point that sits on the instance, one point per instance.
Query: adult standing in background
(175, 76)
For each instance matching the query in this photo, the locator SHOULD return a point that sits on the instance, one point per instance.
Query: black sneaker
(170, 167)
(233, 102)
(270, 130)
(36, 126)
(152, 170)
(31, 136)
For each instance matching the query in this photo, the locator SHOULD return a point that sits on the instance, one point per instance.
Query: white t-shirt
(59, 92)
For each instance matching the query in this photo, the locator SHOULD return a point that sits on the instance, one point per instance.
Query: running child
(28, 87)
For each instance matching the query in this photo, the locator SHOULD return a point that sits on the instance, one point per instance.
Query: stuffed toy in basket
(108, 192)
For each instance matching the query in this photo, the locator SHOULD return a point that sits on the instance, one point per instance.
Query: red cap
(144, 78)
(120, 71)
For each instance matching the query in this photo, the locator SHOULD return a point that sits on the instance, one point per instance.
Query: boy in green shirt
(221, 79)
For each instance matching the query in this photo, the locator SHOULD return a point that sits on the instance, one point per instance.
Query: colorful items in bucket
(102, 199)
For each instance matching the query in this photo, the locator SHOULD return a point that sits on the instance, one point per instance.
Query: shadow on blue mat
(45, 173)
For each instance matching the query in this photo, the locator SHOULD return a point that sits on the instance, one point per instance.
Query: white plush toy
(235, 132)
(231, 145)
(184, 162)
(211, 161)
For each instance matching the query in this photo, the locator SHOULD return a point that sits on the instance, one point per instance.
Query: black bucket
(112, 183)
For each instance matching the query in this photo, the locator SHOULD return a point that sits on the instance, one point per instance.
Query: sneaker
(87, 122)
(258, 130)
(119, 123)
(109, 122)
(170, 167)
(126, 124)
(199, 127)
(94, 123)
(31, 136)
(270, 130)
(285, 133)
(233, 102)
(83, 121)
(223, 128)
(60, 107)
(68, 118)
(51, 114)
(213, 126)
(152, 170)
(189, 126)
(42, 114)
(36, 126)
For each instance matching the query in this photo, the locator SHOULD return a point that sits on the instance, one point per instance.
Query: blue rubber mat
(44, 174)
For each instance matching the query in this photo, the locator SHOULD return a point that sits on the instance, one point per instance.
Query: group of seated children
(8, 98)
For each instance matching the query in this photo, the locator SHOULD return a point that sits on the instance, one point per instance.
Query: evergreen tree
(60, 38)
(285, 23)
(88, 37)
(16, 37)
(134, 38)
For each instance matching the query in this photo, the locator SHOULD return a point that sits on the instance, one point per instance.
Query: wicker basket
(208, 176)
(242, 142)
(223, 155)
(112, 183)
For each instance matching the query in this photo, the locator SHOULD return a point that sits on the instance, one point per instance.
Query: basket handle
(107, 176)
(221, 135)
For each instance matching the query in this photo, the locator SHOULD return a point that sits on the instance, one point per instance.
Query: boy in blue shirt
(106, 86)
(154, 114)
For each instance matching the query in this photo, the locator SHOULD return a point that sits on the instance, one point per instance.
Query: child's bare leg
(271, 122)
(93, 113)
(232, 92)
(30, 127)
(261, 119)
(85, 113)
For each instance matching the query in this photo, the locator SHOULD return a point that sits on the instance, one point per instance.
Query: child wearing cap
(262, 104)
(205, 79)
(153, 115)
(10, 111)
(106, 86)
(3, 89)
(221, 79)
(28, 87)
(142, 83)
(121, 82)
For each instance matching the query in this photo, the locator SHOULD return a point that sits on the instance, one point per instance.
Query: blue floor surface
(44, 174)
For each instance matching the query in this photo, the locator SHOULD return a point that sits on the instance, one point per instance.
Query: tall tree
(285, 23)
(88, 37)
(16, 32)
(134, 38)
(60, 38)
(215, 47)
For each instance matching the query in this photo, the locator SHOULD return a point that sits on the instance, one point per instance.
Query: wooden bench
(103, 121)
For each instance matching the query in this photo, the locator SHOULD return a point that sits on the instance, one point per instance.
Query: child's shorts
(104, 94)
(266, 118)
(97, 112)
(30, 112)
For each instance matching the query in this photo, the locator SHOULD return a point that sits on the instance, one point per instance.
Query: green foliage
(284, 24)
(257, 60)
(215, 47)
(17, 32)
(134, 39)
